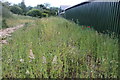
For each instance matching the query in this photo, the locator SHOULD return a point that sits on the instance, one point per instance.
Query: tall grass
(15, 20)
(62, 49)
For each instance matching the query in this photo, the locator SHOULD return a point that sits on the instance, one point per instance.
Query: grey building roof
(104, 0)
(63, 7)
(88, 1)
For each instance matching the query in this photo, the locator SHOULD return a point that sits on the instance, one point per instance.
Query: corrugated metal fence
(102, 16)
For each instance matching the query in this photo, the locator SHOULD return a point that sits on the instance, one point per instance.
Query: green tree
(23, 7)
(4, 24)
(40, 7)
(44, 15)
(47, 5)
(47, 11)
(34, 13)
(5, 12)
(29, 8)
(6, 4)
(53, 11)
(16, 9)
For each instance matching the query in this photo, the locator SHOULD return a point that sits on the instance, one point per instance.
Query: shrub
(34, 13)
(16, 10)
(44, 15)
(4, 24)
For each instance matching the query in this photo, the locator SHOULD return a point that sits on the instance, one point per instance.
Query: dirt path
(7, 32)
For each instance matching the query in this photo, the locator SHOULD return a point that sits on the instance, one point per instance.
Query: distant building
(62, 9)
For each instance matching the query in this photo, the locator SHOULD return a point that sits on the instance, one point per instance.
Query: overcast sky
(55, 3)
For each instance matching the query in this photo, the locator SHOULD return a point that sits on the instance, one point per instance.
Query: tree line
(41, 10)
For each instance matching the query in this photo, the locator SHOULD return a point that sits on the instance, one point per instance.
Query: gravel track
(7, 33)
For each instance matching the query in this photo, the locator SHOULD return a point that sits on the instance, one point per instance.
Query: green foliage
(18, 20)
(53, 11)
(23, 7)
(34, 13)
(6, 4)
(4, 24)
(46, 11)
(61, 49)
(5, 10)
(45, 8)
(40, 7)
(44, 15)
(0, 9)
(16, 10)
(29, 8)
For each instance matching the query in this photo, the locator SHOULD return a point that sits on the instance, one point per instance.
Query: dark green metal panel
(102, 16)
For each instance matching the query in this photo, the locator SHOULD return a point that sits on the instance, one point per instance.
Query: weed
(61, 49)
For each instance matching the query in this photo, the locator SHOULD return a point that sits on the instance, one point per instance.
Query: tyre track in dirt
(4, 33)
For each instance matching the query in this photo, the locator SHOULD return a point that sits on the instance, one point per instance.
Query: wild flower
(88, 26)
(66, 56)
(27, 72)
(21, 60)
(9, 60)
(44, 59)
(54, 60)
(30, 60)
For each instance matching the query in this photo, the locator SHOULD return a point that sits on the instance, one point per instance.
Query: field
(57, 48)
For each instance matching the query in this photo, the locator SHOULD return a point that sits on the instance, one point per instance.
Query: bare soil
(4, 33)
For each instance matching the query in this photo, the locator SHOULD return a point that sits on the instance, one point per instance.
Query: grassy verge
(15, 20)
(61, 49)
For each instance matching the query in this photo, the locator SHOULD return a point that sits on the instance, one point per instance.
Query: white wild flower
(30, 60)
(27, 72)
(9, 60)
(58, 32)
(54, 60)
(91, 71)
(21, 60)
(44, 59)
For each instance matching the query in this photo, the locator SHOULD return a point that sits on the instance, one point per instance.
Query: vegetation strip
(57, 48)
(53, 47)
